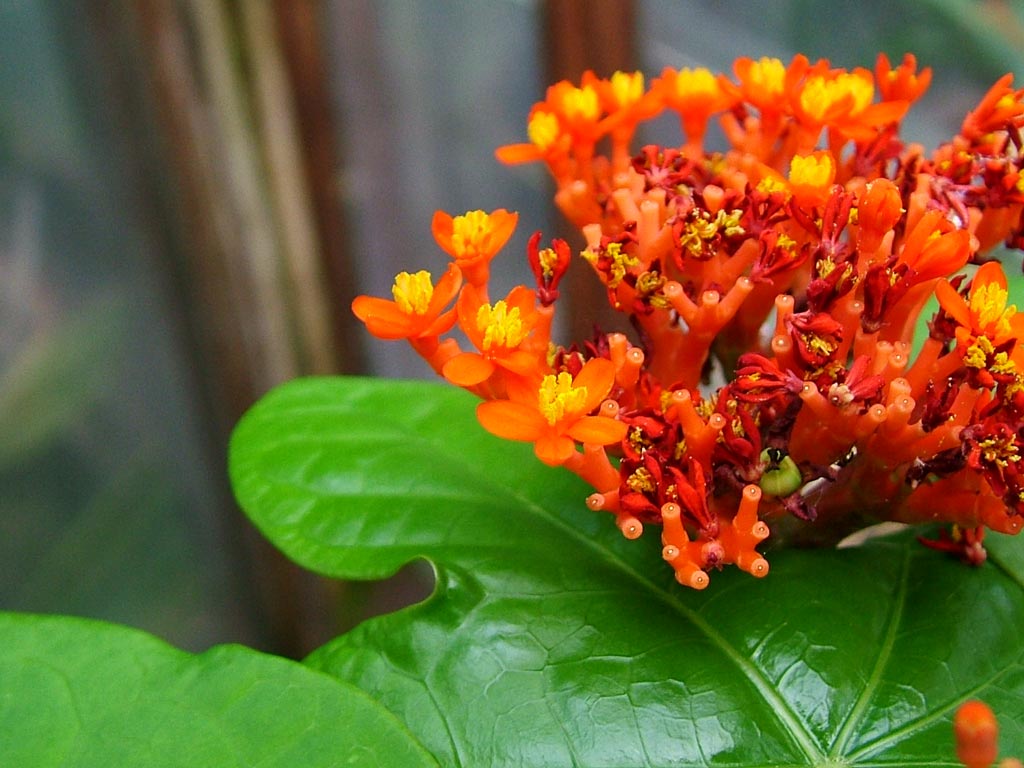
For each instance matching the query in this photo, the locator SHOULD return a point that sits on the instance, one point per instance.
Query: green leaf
(77, 693)
(550, 640)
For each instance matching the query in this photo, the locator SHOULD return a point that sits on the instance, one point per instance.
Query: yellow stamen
(543, 129)
(770, 185)
(767, 76)
(1001, 451)
(557, 397)
(988, 304)
(627, 87)
(471, 233)
(413, 292)
(581, 103)
(820, 94)
(641, 481)
(696, 82)
(621, 263)
(812, 170)
(548, 260)
(501, 326)
(704, 228)
(977, 354)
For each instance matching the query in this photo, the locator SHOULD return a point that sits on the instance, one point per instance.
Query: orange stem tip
(631, 527)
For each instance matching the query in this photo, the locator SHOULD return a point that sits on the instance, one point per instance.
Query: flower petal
(597, 430)
(383, 318)
(468, 369)
(554, 450)
(511, 420)
(597, 376)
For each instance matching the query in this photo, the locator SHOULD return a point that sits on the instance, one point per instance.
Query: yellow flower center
(501, 326)
(770, 184)
(641, 481)
(1001, 451)
(696, 83)
(703, 229)
(820, 94)
(811, 171)
(548, 261)
(543, 129)
(767, 76)
(988, 304)
(627, 88)
(413, 292)
(471, 233)
(977, 354)
(557, 397)
(581, 103)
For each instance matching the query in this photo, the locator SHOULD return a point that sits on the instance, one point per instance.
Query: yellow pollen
(770, 185)
(548, 259)
(1000, 451)
(557, 397)
(413, 292)
(621, 263)
(768, 76)
(637, 440)
(977, 354)
(820, 94)
(471, 233)
(1003, 365)
(818, 344)
(811, 171)
(501, 326)
(543, 129)
(696, 82)
(627, 88)
(704, 229)
(641, 481)
(581, 103)
(988, 304)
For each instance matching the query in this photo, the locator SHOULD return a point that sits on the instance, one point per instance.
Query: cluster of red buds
(773, 288)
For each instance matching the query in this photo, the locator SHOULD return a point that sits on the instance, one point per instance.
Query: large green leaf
(552, 641)
(77, 694)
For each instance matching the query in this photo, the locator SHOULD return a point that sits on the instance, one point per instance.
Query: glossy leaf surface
(552, 641)
(76, 693)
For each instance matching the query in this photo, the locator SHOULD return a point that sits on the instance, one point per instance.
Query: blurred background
(191, 193)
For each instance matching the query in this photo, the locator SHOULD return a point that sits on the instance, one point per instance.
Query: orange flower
(548, 140)
(763, 82)
(932, 249)
(811, 178)
(501, 331)
(985, 313)
(418, 309)
(842, 101)
(695, 94)
(1000, 107)
(558, 418)
(904, 83)
(473, 239)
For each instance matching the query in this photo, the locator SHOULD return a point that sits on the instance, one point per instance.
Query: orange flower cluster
(774, 288)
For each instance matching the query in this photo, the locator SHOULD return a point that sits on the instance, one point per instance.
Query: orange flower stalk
(774, 290)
